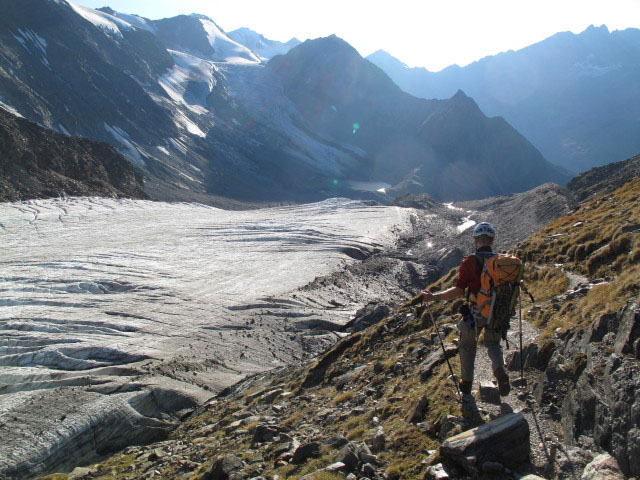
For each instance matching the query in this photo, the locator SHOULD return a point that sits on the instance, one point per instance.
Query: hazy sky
(432, 34)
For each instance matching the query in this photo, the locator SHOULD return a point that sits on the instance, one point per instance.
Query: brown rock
(504, 440)
(306, 451)
(416, 414)
(224, 468)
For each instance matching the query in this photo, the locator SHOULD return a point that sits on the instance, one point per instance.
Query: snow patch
(466, 224)
(450, 206)
(163, 150)
(9, 108)
(31, 38)
(226, 49)
(369, 186)
(182, 121)
(128, 149)
(264, 48)
(178, 145)
(136, 21)
(105, 22)
(189, 70)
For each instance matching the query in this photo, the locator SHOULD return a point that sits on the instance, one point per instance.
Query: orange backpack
(494, 301)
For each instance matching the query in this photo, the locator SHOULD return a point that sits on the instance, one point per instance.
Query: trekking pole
(533, 300)
(446, 357)
(520, 320)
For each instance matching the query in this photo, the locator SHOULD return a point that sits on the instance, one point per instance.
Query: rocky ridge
(39, 163)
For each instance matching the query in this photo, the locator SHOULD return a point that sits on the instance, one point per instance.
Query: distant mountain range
(446, 147)
(575, 97)
(204, 119)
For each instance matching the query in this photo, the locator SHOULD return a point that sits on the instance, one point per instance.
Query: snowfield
(109, 306)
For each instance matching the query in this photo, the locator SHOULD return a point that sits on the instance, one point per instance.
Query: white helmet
(484, 228)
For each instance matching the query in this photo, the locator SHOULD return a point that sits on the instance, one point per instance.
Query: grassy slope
(590, 242)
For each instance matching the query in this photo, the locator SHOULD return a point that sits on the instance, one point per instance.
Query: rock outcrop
(39, 163)
(592, 385)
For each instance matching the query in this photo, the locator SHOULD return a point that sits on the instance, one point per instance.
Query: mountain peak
(592, 29)
(382, 57)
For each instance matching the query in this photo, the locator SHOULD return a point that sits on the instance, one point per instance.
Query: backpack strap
(480, 259)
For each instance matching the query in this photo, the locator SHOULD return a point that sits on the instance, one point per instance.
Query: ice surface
(98, 293)
(68, 265)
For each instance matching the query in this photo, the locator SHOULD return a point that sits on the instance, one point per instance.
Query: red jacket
(470, 271)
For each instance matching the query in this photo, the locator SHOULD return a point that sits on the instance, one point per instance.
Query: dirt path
(547, 449)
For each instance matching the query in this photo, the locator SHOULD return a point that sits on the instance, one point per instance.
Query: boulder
(355, 454)
(379, 440)
(451, 425)
(305, 451)
(349, 457)
(435, 358)
(504, 440)
(369, 470)
(489, 393)
(264, 433)
(603, 467)
(436, 472)
(416, 414)
(226, 467)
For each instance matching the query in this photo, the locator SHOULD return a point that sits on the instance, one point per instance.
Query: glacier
(120, 316)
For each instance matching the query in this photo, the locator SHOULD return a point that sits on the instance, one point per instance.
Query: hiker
(469, 278)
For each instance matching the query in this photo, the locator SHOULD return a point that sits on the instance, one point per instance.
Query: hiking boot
(504, 387)
(465, 387)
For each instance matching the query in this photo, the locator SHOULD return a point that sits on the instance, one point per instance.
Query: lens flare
(356, 127)
(334, 181)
